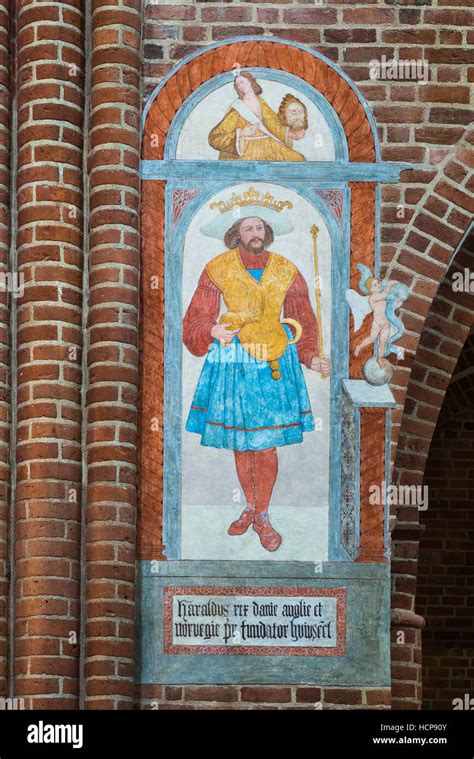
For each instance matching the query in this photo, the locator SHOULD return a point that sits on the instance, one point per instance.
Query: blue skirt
(239, 406)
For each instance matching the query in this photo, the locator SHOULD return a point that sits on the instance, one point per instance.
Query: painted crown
(252, 197)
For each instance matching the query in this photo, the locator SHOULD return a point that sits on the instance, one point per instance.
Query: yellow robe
(255, 307)
(224, 139)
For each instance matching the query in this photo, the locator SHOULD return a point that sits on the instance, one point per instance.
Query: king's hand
(321, 365)
(222, 333)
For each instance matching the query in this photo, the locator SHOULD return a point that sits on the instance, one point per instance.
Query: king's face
(252, 234)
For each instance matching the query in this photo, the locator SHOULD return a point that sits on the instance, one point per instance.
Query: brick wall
(6, 65)
(78, 92)
(49, 193)
(112, 356)
(251, 697)
(423, 218)
(445, 595)
(77, 137)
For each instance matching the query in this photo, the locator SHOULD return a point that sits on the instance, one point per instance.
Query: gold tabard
(255, 307)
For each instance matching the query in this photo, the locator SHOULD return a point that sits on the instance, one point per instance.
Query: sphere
(375, 374)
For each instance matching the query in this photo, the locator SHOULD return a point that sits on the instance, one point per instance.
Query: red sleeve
(201, 316)
(298, 306)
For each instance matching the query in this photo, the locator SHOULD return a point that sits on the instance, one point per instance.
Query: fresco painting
(256, 119)
(251, 323)
(281, 336)
(381, 299)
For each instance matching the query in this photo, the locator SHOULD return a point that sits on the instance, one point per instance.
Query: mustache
(252, 243)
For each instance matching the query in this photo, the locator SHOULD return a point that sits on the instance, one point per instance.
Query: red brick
(210, 693)
(369, 16)
(308, 695)
(444, 17)
(376, 697)
(347, 696)
(271, 695)
(310, 16)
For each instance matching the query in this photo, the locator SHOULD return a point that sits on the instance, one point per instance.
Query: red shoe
(269, 537)
(242, 524)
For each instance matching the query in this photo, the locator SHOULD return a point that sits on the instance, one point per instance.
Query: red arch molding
(265, 54)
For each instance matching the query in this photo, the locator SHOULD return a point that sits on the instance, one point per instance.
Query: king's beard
(253, 247)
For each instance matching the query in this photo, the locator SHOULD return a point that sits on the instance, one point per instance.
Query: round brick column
(49, 377)
(112, 354)
(5, 134)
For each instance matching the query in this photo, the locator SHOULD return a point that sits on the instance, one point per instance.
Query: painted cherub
(382, 299)
(380, 324)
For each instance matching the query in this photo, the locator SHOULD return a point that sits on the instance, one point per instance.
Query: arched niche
(340, 195)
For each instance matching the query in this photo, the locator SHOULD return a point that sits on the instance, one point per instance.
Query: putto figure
(251, 396)
(381, 299)
(252, 131)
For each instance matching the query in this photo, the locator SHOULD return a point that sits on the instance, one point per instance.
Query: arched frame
(346, 194)
(328, 113)
(355, 174)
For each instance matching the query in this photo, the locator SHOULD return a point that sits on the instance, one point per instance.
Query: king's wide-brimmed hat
(251, 203)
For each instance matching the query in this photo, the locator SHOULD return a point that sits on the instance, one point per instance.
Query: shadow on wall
(446, 568)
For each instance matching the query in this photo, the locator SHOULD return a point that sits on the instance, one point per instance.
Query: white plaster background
(211, 494)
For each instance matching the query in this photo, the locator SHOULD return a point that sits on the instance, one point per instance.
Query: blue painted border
(291, 80)
(378, 206)
(208, 568)
(309, 171)
(357, 486)
(340, 279)
(260, 38)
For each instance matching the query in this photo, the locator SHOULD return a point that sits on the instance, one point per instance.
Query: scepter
(314, 232)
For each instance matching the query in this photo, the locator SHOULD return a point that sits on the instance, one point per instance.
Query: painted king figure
(251, 396)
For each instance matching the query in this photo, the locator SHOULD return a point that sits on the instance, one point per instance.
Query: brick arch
(445, 331)
(445, 576)
(460, 393)
(313, 69)
(427, 248)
